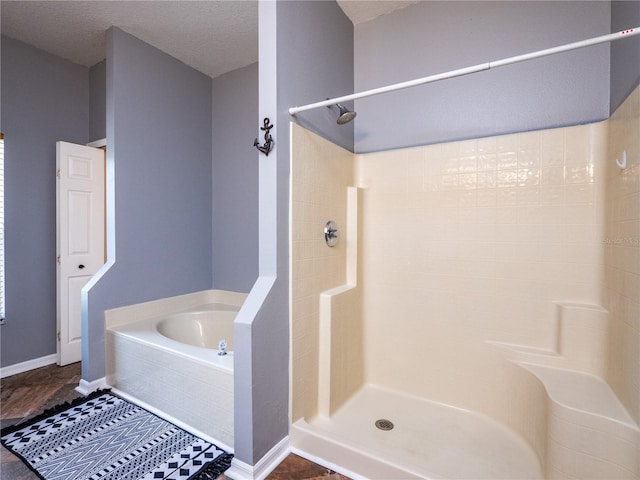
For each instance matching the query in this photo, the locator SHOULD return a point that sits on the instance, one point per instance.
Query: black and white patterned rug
(105, 437)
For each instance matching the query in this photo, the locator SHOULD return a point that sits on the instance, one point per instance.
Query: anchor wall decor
(268, 140)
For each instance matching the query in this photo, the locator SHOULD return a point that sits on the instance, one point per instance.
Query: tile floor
(27, 394)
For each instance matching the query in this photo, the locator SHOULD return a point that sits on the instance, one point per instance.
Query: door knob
(81, 266)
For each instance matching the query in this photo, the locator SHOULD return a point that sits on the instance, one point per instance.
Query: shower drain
(384, 424)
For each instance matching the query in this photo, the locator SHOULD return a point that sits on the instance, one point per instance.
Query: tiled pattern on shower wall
(622, 253)
(474, 240)
(321, 173)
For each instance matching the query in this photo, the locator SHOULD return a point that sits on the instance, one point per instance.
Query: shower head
(344, 114)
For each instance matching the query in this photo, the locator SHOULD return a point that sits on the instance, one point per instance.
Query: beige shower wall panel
(321, 173)
(472, 241)
(341, 349)
(622, 254)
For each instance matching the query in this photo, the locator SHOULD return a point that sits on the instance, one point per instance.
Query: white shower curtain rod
(473, 69)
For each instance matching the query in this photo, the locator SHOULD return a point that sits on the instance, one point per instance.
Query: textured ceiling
(360, 11)
(212, 36)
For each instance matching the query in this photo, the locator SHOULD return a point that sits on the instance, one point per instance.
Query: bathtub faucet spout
(222, 347)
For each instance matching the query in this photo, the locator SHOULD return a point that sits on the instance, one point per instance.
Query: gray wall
(310, 46)
(315, 62)
(44, 99)
(625, 54)
(435, 37)
(98, 101)
(235, 180)
(158, 185)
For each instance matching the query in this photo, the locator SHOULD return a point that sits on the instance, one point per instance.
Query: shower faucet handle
(331, 233)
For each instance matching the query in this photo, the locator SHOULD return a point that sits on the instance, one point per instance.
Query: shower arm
(472, 69)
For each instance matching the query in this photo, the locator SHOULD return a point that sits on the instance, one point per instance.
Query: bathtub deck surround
(156, 356)
(496, 280)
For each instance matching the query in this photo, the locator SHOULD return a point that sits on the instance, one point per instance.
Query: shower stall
(478, 315)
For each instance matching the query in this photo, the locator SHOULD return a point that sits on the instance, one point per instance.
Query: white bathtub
(165, 353)
(203, 326)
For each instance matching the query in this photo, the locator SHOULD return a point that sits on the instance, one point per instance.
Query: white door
(80, 237)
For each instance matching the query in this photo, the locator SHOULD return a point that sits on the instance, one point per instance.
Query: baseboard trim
(243, 471)
(28, 365)
(85, 388)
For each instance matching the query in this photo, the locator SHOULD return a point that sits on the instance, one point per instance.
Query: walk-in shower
(467, 325)
(438, 326)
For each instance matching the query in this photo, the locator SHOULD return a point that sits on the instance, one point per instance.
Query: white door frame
(102, 143)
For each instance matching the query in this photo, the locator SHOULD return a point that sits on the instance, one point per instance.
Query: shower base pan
(428, 440)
